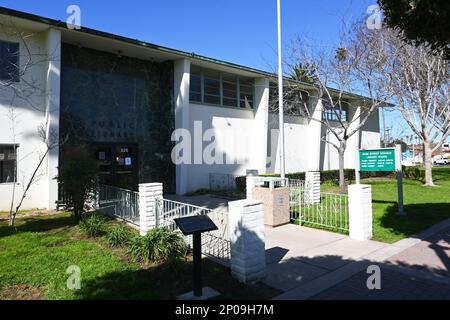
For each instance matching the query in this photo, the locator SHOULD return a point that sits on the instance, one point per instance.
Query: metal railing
(215, 244)
(119, 202)
(328, 211)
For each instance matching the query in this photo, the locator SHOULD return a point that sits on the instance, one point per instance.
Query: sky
(238, 31)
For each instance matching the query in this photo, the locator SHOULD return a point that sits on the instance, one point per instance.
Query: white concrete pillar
(182, 71)
(150, 195)
(261, 123)
(312, 186)
(250, 183)
(247, 236)
(52, 107)
(360, 211)
(315, 138)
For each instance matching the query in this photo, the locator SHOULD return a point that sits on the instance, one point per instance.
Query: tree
(422, 21)
(339, 73)
(18, 87)
(79, 178)
(417, 76)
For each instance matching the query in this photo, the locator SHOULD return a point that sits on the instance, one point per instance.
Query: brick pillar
(149, 193)
(360, 211)
(312, 185)
(247, 236)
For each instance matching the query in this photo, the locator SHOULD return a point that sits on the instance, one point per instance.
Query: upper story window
(8, 163)
(335, 113)
(223, 89)
(9, 61)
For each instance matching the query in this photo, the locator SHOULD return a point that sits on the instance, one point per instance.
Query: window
(9, 61)
(224, 89)
(8, 163)
(246, 93)
(211, 83)
(335, 114)
(229, 90)
(195, 89)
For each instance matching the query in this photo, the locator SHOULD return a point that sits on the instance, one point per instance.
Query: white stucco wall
(234, 130)
(30, 113)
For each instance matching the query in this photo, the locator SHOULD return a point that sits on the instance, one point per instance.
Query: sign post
(195, 226)
(398, 167)
(385, 159)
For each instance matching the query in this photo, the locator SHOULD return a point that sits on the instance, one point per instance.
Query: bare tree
(345, 82)
(418, 79)
(21, 88)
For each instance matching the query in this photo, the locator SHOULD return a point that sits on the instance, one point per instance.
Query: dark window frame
(335, 114)
(221, 96)
(4, 147)
(13, 61)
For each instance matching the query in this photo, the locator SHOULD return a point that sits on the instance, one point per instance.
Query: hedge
(325, 176)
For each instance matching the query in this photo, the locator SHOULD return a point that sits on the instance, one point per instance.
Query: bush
(159, 245)
(325, 176)
(241, 183)
(118, 236)
(413, 173)
(93, 226)
(78, 177)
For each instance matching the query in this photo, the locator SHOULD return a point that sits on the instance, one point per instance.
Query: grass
(424, 206)
(5, 214)
(37, 252)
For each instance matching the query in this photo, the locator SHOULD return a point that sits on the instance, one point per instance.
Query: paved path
(296, 256)
(413, 268)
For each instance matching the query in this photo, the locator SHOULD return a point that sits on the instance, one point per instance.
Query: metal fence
(329, 211)
(119, 202)
(215, 244)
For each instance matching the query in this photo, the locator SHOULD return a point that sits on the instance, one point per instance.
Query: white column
(261, 123)
(250, 183)
(182, 70)
(315, 138)
(52, 101)
(360, 211)
(312, 186)
(149, 196)
(247, 236)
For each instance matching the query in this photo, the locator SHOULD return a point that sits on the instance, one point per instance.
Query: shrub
(241, 183)
(93, 225)
(159, 245)
(413, 173)
(118, 236)
(78, 177)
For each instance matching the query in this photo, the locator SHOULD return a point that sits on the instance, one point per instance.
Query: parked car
(442, 161)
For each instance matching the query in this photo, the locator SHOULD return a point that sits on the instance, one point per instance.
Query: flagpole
(280, 93)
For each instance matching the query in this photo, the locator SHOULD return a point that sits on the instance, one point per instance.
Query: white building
(123, 98)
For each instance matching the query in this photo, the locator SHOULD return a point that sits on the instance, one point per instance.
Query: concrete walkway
(295, 255)
(413, 268)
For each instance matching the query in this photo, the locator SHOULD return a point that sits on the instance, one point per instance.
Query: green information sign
(377, 160)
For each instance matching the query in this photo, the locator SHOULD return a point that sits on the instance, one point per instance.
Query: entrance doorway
(118, 164)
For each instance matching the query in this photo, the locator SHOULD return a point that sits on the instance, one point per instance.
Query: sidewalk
(413, 268)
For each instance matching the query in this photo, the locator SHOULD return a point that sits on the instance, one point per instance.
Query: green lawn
(35, 255)
(425, 206)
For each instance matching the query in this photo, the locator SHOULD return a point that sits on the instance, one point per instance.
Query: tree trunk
(428, 163)
(341, 151)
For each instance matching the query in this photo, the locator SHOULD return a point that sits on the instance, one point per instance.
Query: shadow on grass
(37, 224)
(418, 217)
(168, 281)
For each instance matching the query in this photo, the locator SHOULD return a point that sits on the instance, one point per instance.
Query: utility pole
(280, 93)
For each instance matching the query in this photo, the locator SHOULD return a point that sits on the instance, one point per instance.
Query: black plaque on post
(196, 225)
